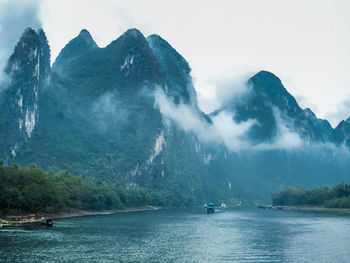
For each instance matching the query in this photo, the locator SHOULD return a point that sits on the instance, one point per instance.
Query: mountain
(96, 113)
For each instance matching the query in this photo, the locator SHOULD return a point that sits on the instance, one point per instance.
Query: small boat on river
(210, 207)
(29, 221)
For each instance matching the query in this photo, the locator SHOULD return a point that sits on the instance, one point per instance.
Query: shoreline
(320, 209)
(80, 213)
(66, 215)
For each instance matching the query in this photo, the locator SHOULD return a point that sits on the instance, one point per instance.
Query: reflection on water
(188, 235)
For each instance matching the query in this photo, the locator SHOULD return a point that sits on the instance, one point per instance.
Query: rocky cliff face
(28, 68)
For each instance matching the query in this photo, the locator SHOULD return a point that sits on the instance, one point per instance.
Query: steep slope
(28, 68)
(176, 70)
(75, 48)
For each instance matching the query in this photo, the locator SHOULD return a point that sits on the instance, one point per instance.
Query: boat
(29, 221)
(210, 207)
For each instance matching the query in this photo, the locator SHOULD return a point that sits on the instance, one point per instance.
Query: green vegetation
(336, 197)
(33, 190)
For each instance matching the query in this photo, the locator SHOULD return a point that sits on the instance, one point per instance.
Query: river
(184, 235)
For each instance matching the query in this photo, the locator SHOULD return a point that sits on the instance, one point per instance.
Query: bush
(336, 197)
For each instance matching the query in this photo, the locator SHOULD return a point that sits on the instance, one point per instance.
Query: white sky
(304, 42)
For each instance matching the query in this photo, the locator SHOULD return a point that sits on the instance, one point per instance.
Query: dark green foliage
(336, 197)
(32, 190)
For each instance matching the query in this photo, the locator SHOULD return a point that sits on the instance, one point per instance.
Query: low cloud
(223, 128)
(15, 17)
(213, 93)
(108, 111)
(342, 113)
(304, 103)
(185, 116)
(234, 135)
(285, 138)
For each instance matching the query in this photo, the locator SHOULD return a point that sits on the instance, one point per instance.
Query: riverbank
(89, 213)
(320, 209)
(79, 213)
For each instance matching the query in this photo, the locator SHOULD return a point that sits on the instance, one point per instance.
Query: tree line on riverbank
(334, 197)
(33, 190)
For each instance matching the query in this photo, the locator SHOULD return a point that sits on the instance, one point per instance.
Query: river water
(184, 235)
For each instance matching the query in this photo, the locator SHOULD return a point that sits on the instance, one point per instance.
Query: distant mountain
(268, 102)
(95, 113)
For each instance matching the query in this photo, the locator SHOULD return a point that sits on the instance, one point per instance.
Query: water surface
(185, 235)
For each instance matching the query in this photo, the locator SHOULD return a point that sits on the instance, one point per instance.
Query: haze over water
(185, 235)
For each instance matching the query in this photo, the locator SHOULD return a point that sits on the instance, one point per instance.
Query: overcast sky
(306, 43)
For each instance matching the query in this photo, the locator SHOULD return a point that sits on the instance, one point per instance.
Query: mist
(15, 16)
(223, 129)
(341, 113)
(215, 92)
(285, 138)
(108, 111)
